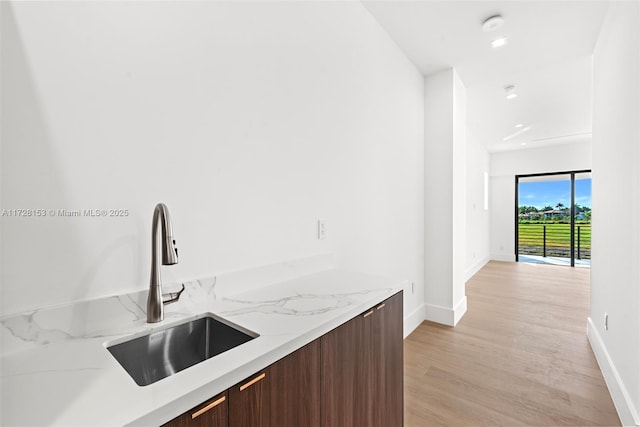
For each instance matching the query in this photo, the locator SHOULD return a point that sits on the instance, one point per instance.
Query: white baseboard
(503, 257)
(621, 399)
(469, 272)
(459, 310)
(413, 320)
(444, 315)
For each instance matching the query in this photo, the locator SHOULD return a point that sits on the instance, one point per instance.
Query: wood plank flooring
(519, 356)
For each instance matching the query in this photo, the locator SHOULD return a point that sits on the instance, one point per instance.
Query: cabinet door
(362, 369)
(249, 401)
(295, 388)
(388, 363)
(345, 382)
(366, 400)
(212, 413)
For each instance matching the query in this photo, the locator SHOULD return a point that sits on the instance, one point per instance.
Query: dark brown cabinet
(343, 366)
(351, 376)
(362, 365)
(389, 362)
(294, 400)
(249, 401)
(286, 394)
(212, 413)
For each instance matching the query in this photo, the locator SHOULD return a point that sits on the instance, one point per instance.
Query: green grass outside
(558, 235)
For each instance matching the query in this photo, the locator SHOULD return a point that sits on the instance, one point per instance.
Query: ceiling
(547, 58)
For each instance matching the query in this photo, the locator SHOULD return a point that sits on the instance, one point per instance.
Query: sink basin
(164, 352)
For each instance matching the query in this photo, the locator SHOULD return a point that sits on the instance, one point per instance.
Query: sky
(543, 193)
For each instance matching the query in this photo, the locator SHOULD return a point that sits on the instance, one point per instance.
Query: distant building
(553, 213)
(556, 213)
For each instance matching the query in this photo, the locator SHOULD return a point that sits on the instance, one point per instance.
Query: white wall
(249, 120)
(458, 207)
(444, 172)
(477, 218)
(505, 166)
(615, 265)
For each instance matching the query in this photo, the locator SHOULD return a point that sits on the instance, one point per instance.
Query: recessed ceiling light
(519, 125)
(510, 91)
(498, 42)
(523, 143)
(492, 23)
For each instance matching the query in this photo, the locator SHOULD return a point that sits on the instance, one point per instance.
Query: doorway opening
(553, 218)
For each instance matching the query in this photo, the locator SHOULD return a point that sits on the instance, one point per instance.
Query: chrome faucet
(156, 300)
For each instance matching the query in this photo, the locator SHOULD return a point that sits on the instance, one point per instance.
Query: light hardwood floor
(519, 356)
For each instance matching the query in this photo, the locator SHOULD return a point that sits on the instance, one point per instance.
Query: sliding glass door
(553, 218)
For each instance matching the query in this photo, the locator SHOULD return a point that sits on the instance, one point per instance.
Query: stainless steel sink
(162, 353)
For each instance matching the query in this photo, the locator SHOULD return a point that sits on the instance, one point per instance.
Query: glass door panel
(544, 217)
(553, 218)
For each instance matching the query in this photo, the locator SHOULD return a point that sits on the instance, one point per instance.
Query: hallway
(519, 356)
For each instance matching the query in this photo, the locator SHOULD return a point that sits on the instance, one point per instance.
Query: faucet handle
(172, 297)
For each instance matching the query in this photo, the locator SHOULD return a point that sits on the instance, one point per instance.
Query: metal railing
(554, 240)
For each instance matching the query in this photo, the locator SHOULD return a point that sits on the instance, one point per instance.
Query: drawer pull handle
(209, 406)
(380, 306)
(253, 381)
(368, 313)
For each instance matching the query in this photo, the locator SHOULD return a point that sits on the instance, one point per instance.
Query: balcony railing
(554, 240)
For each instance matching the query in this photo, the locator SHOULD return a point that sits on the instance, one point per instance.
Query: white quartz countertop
(56, 370)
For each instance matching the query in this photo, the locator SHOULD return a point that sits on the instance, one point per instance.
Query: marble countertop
(55, 369)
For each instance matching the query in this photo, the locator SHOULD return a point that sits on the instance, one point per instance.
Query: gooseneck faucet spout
(155, 303)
